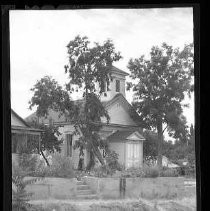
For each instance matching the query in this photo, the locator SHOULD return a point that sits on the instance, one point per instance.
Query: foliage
(151, 171)
(169, 172)
(159, 88)
(49, 139)
(133, 172)
(61, 167)
(28, 162)
(49, 95)
(59, 207)
(112, 160)
(101, 171)
(180, 151)
(190, 171)
(150, 146)
(87, 66)
(20, 197)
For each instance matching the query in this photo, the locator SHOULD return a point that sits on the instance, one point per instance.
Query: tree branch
(164, 129)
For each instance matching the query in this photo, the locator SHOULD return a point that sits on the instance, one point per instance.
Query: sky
(38, 40)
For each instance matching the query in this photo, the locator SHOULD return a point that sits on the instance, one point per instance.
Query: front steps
(84, 191)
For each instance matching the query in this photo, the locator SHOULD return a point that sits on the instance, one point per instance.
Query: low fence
(160, 187)
(53, 188)
(109, 188)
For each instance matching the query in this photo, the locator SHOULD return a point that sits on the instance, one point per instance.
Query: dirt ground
(186, 204)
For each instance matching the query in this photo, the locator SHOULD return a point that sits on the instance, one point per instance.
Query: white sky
(38, 41)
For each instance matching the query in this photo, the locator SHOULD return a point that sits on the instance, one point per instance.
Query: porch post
(25, 140)
(39, 140)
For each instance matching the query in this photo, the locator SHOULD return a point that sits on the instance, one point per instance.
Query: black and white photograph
(103, 109)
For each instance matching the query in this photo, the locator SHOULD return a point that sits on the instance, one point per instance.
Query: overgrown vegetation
(87, 67)
(61, 167)
(160, 84)
(25, 166)
(169, 172)
(49, 139)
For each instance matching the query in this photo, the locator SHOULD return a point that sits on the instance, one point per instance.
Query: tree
(87, 67)
(149, 147)
(191, 146)
(159, 88)
(49, 139)
(20, 170)
(48, 95)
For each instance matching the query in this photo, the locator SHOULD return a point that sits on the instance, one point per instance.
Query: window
(19, 142)
(69, 145)
(14, 143)
(104, 88)
(33, 143)
(117, 85)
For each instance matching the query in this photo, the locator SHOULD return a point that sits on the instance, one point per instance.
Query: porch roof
(26, 130)
(122, 135)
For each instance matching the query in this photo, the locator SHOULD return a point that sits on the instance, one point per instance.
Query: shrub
(190, 171)
(101, 171)
(20, 197)
(112, 161)
(28, 162)
(151, 171)
(169, 173)
(133, 172)
(61, 167)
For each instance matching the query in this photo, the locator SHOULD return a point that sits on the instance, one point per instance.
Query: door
(133, 154)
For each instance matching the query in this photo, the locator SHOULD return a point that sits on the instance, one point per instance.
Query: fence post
(122, 187)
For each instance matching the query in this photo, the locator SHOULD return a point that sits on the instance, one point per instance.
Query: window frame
(117, 85)
(69, 145)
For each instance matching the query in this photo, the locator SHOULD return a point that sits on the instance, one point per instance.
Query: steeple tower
(116, 86)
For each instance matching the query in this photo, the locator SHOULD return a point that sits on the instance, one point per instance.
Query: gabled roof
(55, 115)
(119, 71)
(26, 128)
(134, 115)
(19, 118)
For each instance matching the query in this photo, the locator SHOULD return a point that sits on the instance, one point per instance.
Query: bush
(28, 162)
(151, 171)
(133, 172)
(190, 171)
(169, 173)
(112, 161)
(102, 171)
(20, 197)
(61, 167)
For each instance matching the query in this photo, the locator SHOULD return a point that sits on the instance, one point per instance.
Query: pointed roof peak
(119, 71)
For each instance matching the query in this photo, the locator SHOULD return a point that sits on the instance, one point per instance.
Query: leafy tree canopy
(87, 68)
(159, 87)
(48, 94)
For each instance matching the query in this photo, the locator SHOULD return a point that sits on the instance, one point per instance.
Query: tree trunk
(97, 153)
(160, 142)
(44, 158)
(91, 162)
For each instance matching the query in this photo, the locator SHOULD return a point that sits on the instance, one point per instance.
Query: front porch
(24, 140)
